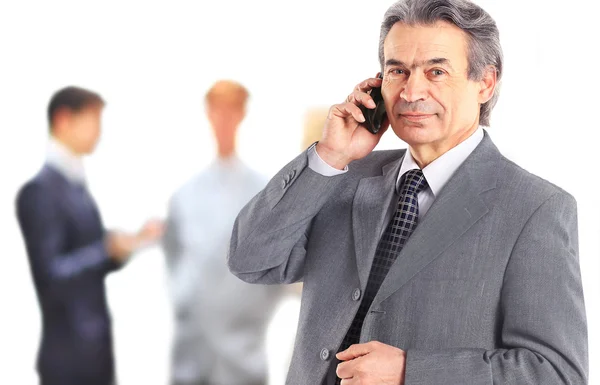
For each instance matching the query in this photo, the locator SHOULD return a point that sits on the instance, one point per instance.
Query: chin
(89, 150)
(416, 133)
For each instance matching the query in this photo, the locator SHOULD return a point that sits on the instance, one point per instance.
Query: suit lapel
(457, 208)
(371, 209)
(75, 200)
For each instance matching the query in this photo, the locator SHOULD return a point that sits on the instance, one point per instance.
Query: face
(225, 116)
(80, 130)
(86, 128)
(425, 85)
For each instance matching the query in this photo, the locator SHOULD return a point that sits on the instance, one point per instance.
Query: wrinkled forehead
(418, 44)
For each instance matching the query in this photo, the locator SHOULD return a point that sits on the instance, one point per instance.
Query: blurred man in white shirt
(220, 321)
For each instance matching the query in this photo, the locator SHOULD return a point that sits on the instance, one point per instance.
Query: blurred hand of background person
(150, 233)
(121, 245)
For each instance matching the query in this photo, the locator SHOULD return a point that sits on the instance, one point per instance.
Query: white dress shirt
(63, 160)
(437, 173)
(220, 320)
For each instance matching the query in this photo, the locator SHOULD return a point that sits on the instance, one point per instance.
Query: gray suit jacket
(486, 291)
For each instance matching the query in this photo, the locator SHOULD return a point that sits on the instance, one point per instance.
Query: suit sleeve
(543, 331)
(270, 234)
(44, 235)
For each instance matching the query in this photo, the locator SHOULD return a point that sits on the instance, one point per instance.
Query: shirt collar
(69, 164)
(230, 161)
(438, 172)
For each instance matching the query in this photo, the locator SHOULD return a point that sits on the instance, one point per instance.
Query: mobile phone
(374, 117)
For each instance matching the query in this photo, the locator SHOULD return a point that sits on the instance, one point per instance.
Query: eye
(437, 72)
(397, 71)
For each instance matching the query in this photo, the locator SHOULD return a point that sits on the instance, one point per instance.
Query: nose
(415, 88)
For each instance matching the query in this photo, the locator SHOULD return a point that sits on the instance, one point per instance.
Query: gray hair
(483, 37)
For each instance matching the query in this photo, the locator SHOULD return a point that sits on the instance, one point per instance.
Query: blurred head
(313, 125)
(226, 108)
(441, 62)
(74, 116)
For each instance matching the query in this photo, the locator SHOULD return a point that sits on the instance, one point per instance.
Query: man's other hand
(372, 363)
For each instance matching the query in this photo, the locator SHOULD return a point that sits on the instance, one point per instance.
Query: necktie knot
(412, 181)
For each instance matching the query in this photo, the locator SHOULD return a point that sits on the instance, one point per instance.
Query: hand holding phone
(344, 136)
(374, 116)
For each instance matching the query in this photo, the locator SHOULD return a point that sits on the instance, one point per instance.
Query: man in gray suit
(442, 264)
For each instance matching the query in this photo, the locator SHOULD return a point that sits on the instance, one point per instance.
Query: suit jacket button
(356, 294)
(324, 354)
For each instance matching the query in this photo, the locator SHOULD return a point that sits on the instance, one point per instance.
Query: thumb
(354, 351)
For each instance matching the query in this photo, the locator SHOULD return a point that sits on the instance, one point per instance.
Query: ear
(61, 119)
(487, 84)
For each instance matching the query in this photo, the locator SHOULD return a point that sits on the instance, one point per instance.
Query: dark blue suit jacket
(64, 237)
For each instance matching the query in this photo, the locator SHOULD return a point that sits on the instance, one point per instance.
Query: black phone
(374, 117)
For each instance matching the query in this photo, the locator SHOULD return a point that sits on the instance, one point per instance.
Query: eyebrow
(433, 61)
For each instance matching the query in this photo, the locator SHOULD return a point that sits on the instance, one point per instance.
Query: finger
(359, 97)
(366, 85)
(345, 369)
(354, 351)
(349, 381)
(345, 110)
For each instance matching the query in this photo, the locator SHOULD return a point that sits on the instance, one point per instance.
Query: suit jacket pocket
(434, 314)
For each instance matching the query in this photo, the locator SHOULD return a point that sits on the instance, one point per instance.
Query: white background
(154, 60)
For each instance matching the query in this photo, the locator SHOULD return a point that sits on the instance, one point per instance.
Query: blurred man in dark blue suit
(70, 252)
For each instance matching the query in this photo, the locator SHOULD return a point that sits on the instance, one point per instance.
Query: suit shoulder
(27, 189)
(33, 194)
(35, 185)
(373, 163)
(530, 186)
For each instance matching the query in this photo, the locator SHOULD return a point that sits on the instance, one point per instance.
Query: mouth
(415, 117)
